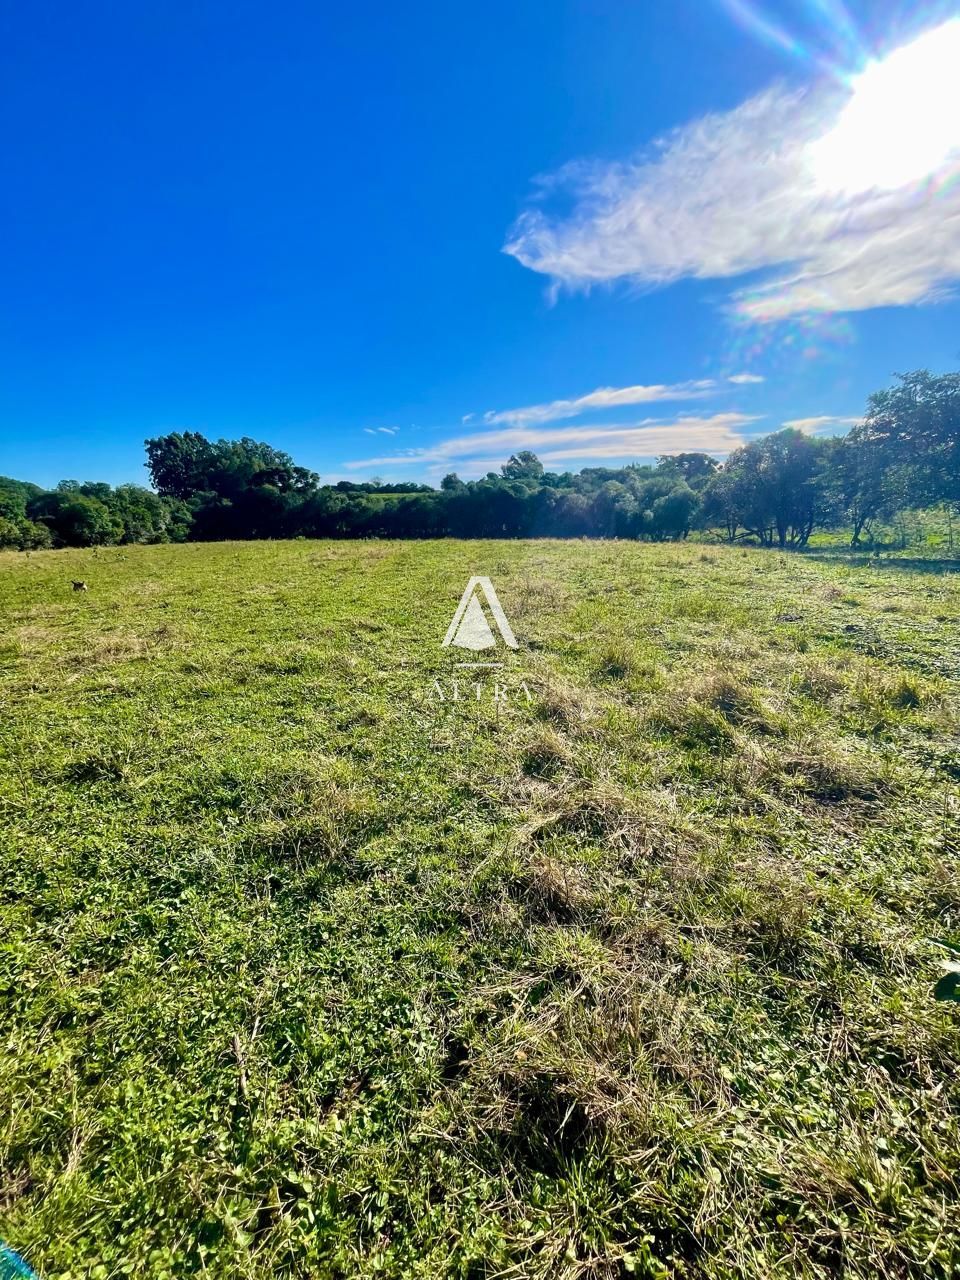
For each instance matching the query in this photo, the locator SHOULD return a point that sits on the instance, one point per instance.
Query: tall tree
(774, 488)
(915, 429)
(180, 464)
(524, 466)
(695, 468)
(186, 465)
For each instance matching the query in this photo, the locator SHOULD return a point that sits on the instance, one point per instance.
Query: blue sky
(399, 240)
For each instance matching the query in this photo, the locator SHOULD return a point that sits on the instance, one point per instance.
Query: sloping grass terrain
(307, 971)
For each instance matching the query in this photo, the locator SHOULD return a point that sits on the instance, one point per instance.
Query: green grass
(930, 532)
(306, 972)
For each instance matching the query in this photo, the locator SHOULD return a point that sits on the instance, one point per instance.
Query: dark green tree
(524, 466)
(74, 520)
(694, 468)
(914, 429)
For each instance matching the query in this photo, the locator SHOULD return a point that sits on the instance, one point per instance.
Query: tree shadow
(857, 558)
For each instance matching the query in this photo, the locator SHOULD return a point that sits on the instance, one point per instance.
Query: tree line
(776, 490)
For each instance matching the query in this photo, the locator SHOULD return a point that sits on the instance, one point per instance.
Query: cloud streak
(602, 398)
(825, 422)
(484, 450)
(738, 193)
(610, 398)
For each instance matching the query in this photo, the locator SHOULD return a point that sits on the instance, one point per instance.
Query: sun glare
(902, 121)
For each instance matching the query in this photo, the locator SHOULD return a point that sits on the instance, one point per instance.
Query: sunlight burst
(902, 121)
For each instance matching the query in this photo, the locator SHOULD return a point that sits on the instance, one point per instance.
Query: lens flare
(831, 42)
(783, 348)
(749, 17)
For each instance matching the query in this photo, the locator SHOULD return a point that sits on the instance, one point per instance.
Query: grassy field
(308, 971)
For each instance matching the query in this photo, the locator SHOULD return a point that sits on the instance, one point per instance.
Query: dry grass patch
(820, 681)
(635, 831)
(707, 711)
(113, 647)
(735, 701)
(767, 773)
(772, 918)
(835, 778)
(552, 891)
(897, 691)
(616, 661)
(567, 707)
(546, 754)
(33, 639)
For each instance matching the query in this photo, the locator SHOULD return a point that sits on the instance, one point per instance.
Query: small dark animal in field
(80, 586)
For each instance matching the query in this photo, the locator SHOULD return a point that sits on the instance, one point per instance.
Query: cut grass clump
(775, 922)
(697, 727)
(551, 891)
(820, 681)
(730, 698)
(546, 1127)
(707, 713)
(617, 661)
(634, 830)
(546, 755)
(825, 774)
(905, 693)
(890, 697)
(565, 708)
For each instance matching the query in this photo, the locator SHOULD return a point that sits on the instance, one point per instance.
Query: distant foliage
(96, 514)
(777, 490)
(17, 530)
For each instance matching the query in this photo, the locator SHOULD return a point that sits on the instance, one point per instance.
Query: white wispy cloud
(739, 192)
(384, 431)
(485, 450)
(745, 379)
(825, 422)
(602, 398)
